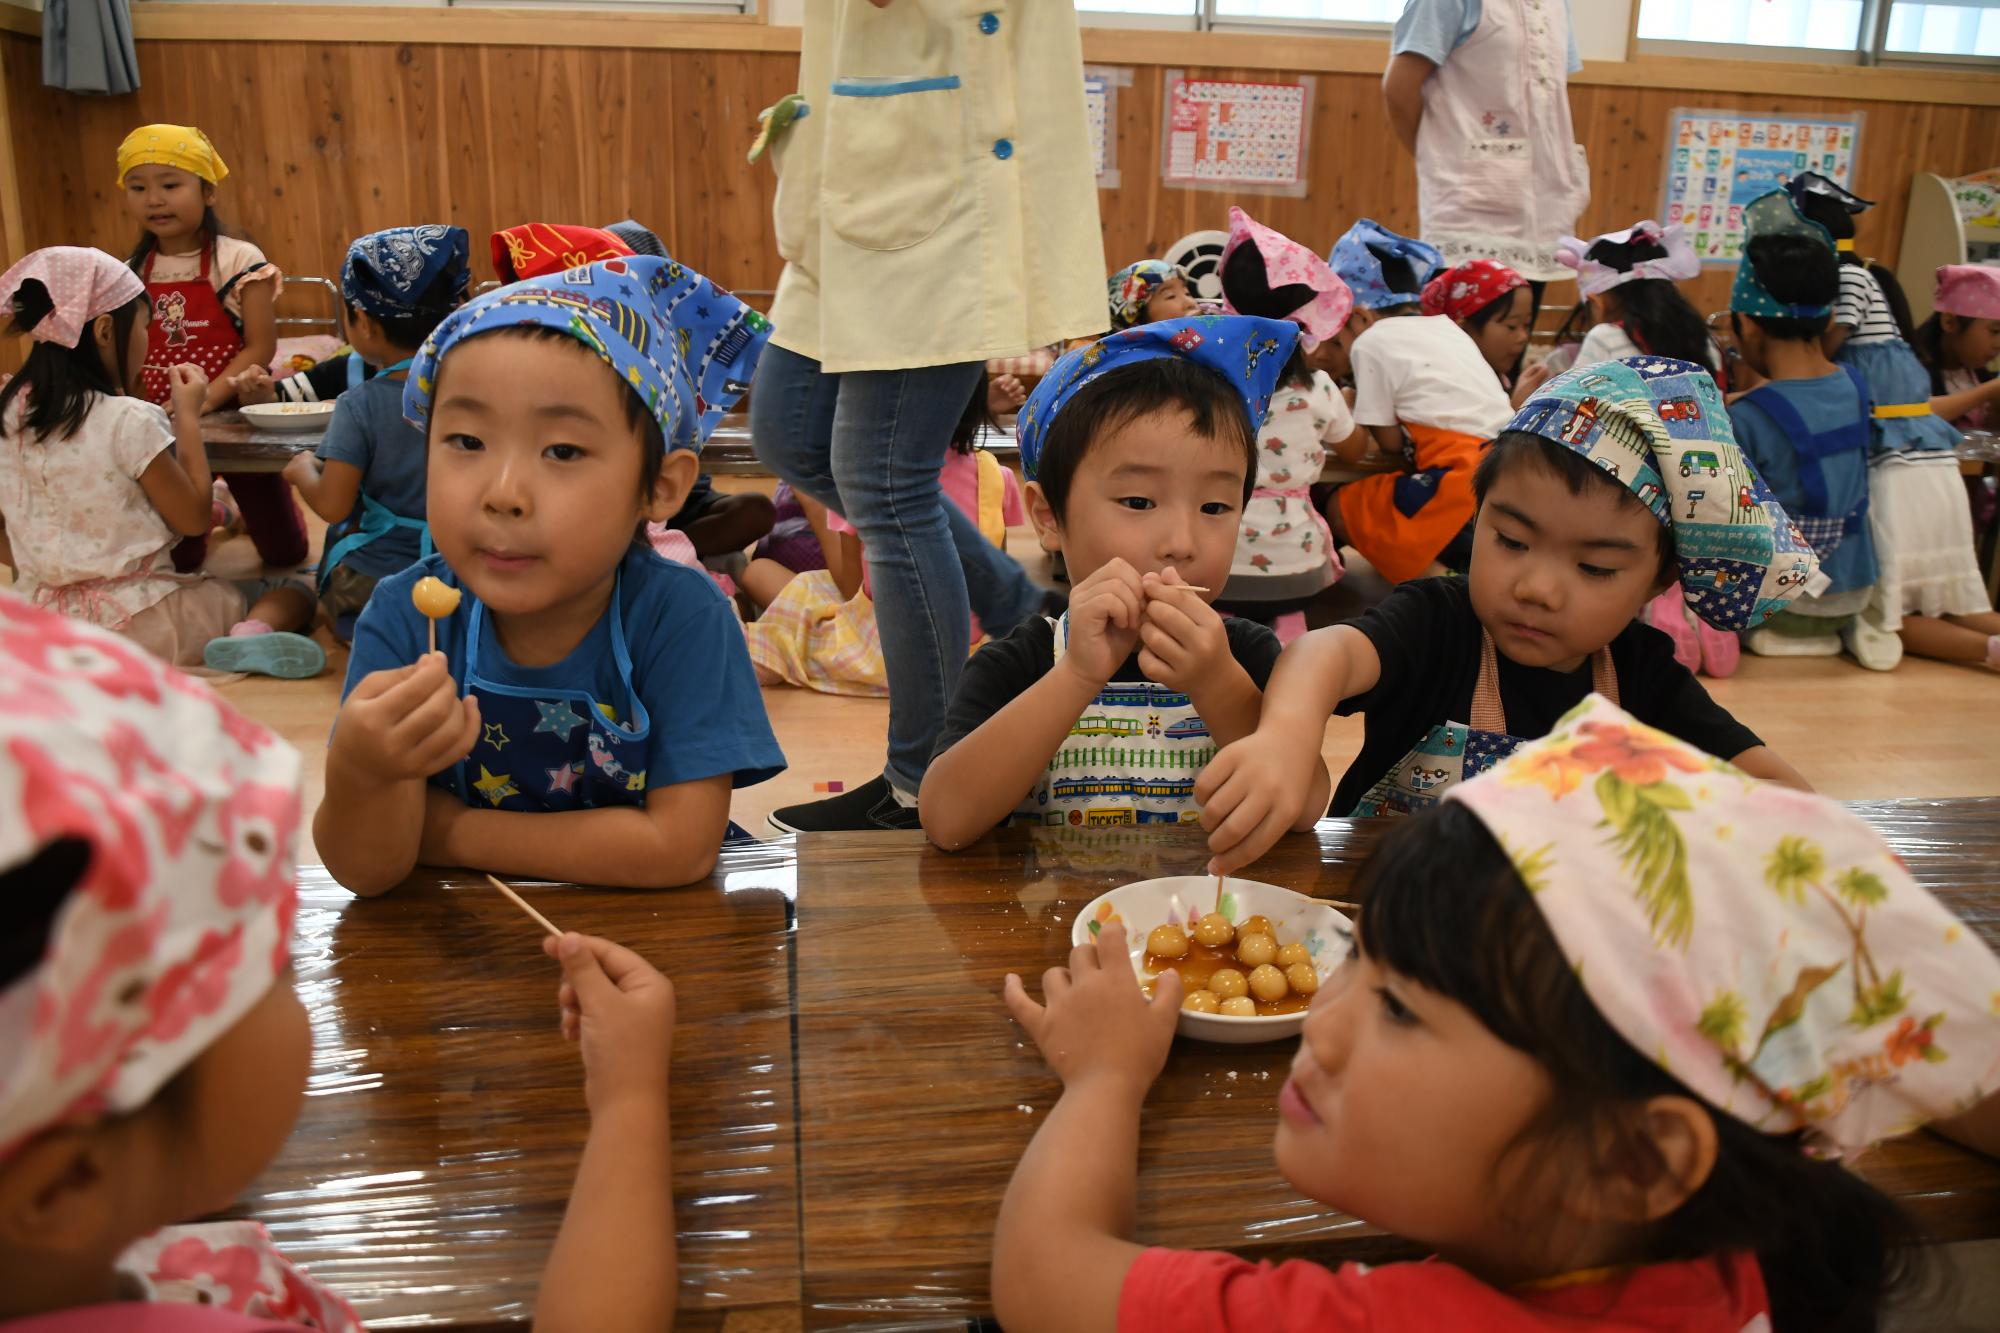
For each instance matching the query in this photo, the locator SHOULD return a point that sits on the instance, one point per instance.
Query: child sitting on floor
(1285, 554)
(817, 629)
(1610, 1015)
(1806, 430)
(1958, 343)
(155, 1054)
(214, 304)
(1928, 590)
(1148, 292)
(606, 692)
(366, 478)
(1496, 308)
(1140, 452)
(1424, 391)
(96, 486)
(1627, 281)
(1590, 501)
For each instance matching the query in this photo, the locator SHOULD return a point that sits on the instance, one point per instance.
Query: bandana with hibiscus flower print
(1763, 945)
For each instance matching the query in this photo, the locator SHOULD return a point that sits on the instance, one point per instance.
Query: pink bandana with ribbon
(82, 283)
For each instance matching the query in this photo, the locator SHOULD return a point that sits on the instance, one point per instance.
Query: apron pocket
(894, 159)
(1494, 185)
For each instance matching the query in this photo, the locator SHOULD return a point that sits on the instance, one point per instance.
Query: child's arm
(1276, 780)
(613, 1266)
(6, 544)
(1761, 761)
(672, 841)
(260, 341)
(1064, 1240)
(841, 549)
(329, 485)
(978, 782)
(1952, 406)
(1184, 644)
(394, 730)
(178, 484)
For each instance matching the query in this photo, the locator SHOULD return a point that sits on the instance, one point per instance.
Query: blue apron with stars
(1454, 752)
(545, 749)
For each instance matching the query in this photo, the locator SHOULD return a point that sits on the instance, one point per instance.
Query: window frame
(1869, 50)
(1202, 16)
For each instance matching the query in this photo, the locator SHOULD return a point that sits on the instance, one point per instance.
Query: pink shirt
(1205, 1292)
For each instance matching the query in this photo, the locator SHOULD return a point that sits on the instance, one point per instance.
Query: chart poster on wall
(1236, 136)
(1100, 101)
(1721, 160)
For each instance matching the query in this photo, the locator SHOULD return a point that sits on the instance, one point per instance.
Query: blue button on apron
(989, 24)
(1003, 149)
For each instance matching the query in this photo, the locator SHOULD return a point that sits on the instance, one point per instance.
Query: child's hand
(1252, 792)
(1532, 378)
(406, 723)
(253, 385)
(302, 470)
(1105, 612)
(621, 1009)
(1182, 641)
(1004, 394)
(1094, 1021)
(189, 387)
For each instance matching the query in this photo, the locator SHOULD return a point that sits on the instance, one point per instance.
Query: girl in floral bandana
(1671, 992)
(153, 1052)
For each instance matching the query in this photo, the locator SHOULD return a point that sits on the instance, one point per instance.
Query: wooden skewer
(434, 648)
(1218, 893)
(519, 901)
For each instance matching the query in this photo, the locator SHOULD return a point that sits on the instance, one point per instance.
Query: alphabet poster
(1718, 161)
(1236, 135)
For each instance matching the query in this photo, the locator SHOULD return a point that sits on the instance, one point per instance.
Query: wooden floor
(1925, 729)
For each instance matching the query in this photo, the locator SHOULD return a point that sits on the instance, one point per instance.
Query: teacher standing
(937, 206)
(1478, 90)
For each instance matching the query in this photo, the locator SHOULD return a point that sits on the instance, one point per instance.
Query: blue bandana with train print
(1660, 427)
(1248, 352)
(684, 345)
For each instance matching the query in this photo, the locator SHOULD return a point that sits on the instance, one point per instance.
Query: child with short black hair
(366, 478)
(1423, 390)
(156, 1052)
(584, 681)
(1140, 452)
(1806, 429)
(1596, 495)
(1610, 1018)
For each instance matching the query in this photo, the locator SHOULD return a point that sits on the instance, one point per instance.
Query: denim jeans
(869, 445)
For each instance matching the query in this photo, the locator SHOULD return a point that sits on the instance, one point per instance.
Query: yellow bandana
(181, 146)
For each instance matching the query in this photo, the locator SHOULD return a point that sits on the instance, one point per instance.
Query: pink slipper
(244, 629)
(1668, 614)
(1721, 650)
(1289, 626)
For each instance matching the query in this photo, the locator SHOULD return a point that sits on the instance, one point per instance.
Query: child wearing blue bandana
(366, 479)
(1140, 452)
(581, 679)
(1807, 429)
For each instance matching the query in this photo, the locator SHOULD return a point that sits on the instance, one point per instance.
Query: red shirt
(1206, 1292)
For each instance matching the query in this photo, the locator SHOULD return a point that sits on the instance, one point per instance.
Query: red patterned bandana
(537, 249)
(1469, 288)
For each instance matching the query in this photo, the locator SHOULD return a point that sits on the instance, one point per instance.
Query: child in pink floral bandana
(153, 1054)
(1612, 1009)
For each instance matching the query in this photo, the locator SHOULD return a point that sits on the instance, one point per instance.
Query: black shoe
(869, 808)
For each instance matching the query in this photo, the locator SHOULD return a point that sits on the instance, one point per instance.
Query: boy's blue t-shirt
(368, 432)
(1825, 403)
(690, 666)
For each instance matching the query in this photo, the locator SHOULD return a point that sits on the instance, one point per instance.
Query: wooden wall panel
(329, 140)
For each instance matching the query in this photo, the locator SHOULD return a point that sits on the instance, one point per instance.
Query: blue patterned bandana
(1250, 353)
(1357, 258)
(1773, 214)
(1660, 427)
(685, 346)
(388, 272)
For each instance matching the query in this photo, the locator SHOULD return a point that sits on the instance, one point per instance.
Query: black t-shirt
(321, 383)
(1428, 639)
(1004, 669)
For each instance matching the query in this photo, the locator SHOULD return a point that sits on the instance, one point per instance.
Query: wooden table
(235, 445)
(850, 1097)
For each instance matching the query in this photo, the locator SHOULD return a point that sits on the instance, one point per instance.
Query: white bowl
(288, 416)
(1184, 899)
